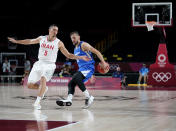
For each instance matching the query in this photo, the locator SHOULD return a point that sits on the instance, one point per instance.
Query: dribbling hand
(104, 65)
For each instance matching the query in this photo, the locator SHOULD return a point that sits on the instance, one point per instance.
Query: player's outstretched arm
(69, 55)
(26, 41)
(87, 47)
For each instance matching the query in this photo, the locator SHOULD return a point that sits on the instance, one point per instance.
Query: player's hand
(12, 40)
(85, 58)
(105, 65)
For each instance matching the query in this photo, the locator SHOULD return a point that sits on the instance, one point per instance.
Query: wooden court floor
(112, 110)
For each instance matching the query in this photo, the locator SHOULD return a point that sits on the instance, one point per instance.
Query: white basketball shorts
(41, 69)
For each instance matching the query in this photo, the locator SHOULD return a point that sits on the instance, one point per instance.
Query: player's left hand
(85, 58)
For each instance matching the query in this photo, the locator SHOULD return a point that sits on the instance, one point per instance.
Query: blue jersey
(85, 67)
(144, 71)
(79, 52)
(118, 74)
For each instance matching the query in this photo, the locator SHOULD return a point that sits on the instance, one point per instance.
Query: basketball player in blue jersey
(86, 70)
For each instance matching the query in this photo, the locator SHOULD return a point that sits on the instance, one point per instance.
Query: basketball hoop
(160, 12)
(150, 25)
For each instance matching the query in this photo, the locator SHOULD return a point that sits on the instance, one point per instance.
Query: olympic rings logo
(113, 66)
(164, 77)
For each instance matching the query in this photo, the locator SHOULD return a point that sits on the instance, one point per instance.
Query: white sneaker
(88, 102)
(66, 102)
(45, 92)
(37, 106)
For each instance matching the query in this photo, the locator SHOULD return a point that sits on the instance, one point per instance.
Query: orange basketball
(101, 69)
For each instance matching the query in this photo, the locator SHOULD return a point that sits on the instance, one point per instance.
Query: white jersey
(48, 49)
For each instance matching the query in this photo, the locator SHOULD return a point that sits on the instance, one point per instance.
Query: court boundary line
(65, 126)
(44, 118)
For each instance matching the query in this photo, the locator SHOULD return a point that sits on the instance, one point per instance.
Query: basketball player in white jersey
(44, 68)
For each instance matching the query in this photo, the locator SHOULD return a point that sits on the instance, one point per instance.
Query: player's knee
(30, 85)
(79, 78)
(43, 79)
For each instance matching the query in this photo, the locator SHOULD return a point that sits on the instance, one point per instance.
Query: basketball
(101, 69)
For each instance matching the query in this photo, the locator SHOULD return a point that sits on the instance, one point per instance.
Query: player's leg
(43, 86)
(77, 79)
(46, 75)
(139, 79)
(71, 88)
(41, 93)
(33, 85)
(34, 77)
(123, 82)
(71, 91)
(145, 79)
(89, 98)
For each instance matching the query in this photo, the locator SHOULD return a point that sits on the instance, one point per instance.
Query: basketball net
(150, 25)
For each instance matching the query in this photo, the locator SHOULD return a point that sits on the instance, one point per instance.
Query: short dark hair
(53, 25)
(74, 32)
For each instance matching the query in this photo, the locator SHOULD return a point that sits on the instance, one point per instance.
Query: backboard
(161, 13)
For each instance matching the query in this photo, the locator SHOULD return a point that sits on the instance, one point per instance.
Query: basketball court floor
(112, 110)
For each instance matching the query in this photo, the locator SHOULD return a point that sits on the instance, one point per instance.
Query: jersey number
(46, 52)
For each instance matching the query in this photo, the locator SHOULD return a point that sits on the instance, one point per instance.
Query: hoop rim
(144, 25)
(150, 22)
